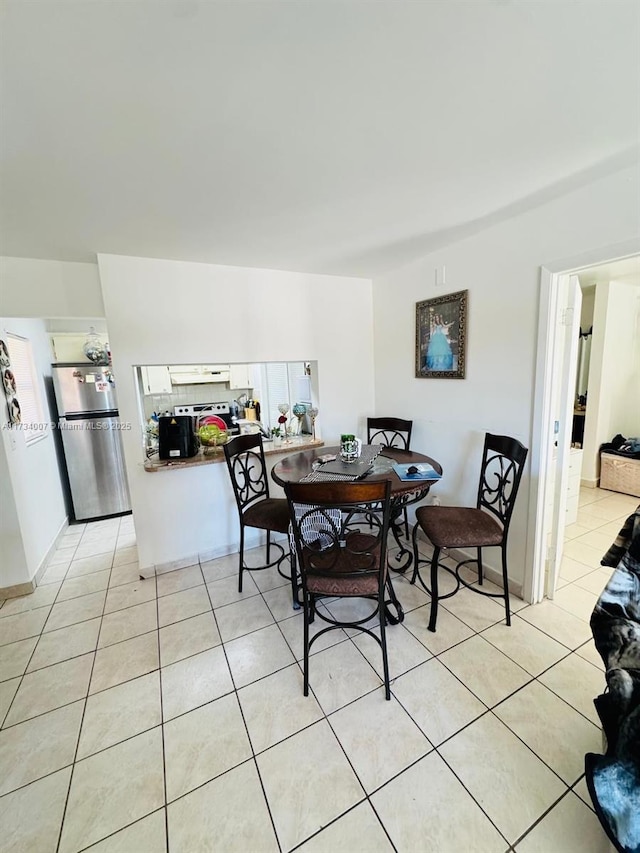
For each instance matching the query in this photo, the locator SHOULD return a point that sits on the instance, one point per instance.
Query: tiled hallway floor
(167, 714)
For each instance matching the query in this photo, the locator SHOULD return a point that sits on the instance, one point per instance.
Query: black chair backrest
(340, 528)
(503, 461)
(390, 432)
(247, 469)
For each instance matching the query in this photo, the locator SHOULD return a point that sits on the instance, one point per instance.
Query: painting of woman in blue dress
(439, 352)
(441, 336)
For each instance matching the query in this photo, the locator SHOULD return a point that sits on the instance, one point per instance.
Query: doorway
(546, 529)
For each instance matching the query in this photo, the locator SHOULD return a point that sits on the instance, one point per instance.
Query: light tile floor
(167, 714)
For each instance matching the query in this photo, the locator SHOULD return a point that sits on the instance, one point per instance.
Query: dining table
(308, 465)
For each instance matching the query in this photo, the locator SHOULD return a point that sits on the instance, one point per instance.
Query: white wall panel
(169, 312)
(501, 269)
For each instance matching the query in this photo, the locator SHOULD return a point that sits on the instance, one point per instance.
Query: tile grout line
(164, 751)
(39, 636)
(475, 800)
(326, 717)
(244, 721)
(278, 622)
(530, 680)
(79, 736)
(434, 748)
(541, 817)
(491, 711)
(94, 844)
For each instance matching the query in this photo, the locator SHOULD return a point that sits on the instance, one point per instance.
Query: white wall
(33, 469)
(501, 269)
(622, 365)
(586, 311)
(621, 362)
(161, 312)
(613, 404)
(13, 563)
(35, 288)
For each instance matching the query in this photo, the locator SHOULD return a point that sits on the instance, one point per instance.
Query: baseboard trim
(172, 565)
(17, 590)
(256, 541)
(589, 484)
(42, 568)
(20, 589)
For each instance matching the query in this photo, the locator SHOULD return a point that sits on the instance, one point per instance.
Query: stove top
(206, 408)
(222, 410)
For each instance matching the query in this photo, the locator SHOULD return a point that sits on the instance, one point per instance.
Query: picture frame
(441, 336)
(9, 385)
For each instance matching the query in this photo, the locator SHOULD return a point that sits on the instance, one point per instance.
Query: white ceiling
(339, 136)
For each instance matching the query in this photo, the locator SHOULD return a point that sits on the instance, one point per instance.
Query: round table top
(293, 468)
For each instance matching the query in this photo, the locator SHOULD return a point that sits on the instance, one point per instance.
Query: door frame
(533, 589)
(567, 348)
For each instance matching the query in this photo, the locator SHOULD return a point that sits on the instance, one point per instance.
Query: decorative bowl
(211, 436)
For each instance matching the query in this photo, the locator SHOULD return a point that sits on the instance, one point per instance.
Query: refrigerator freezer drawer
(95, 464)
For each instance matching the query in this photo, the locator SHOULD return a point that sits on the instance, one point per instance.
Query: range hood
(198, 374)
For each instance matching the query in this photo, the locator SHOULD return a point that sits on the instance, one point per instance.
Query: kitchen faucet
(265, 432)
(244, 422)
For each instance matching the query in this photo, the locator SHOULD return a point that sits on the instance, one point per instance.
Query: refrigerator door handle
(89, 416)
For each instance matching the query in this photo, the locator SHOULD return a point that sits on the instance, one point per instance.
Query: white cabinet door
(69, 347)
(156, 380)
(240, 376)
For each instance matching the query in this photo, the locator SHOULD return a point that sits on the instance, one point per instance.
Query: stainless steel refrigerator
(91, 439)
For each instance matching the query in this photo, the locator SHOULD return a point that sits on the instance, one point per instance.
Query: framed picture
(441, 336)
(9, 385)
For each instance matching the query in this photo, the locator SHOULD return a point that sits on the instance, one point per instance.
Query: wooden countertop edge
(153, 466)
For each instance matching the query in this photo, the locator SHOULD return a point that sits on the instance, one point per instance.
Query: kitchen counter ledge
(292, 446)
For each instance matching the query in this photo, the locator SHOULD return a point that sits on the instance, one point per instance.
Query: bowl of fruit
(212, 436)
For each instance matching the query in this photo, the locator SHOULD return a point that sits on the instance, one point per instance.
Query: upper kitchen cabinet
(240, 376)
(156, 379)
(166, 379)
(68, 347)
(198, 374)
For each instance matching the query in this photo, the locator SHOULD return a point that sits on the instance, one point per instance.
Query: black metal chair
(485, 525)
(248, 471)
(338, 555)
(391, 432)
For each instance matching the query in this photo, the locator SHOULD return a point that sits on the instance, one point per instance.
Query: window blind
(27, 387)
(277, 391)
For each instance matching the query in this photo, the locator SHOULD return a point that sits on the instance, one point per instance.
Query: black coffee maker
(177, 437)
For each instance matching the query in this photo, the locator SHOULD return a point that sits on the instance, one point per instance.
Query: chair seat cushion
(362, 553)
(458, 526)
(269, 514)
(366, 585)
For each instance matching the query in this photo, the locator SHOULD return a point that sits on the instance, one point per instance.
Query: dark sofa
(613, 778)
